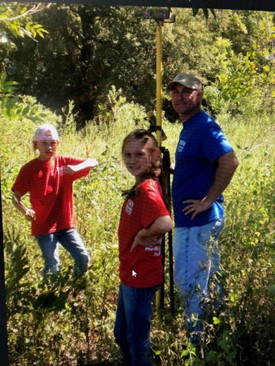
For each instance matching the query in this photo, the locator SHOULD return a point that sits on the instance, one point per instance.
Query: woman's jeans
(133, 323)
(72, 242)
(197, 259)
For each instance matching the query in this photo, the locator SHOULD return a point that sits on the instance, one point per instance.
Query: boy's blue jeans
(197, 259)
(133, 323)
(72, 242)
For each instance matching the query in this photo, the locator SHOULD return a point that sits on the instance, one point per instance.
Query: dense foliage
(77, 52)
(98, 65)
(71, 323)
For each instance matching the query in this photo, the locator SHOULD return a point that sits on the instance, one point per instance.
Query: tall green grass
(71, 323)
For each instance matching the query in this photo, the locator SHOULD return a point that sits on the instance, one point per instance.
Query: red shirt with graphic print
(142, 267)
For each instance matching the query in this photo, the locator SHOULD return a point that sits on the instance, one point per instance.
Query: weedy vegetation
(71, 322)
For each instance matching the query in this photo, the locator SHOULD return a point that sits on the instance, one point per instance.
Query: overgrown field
(72, 323)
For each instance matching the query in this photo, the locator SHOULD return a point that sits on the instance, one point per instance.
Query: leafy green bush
(71, 322)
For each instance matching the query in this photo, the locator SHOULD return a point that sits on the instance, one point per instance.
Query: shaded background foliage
(88, 49)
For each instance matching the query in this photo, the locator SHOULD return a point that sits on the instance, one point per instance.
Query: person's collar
(186, 117)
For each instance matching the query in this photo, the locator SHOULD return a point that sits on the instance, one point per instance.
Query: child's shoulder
(31, 163)
(68, 159)
(150, 185)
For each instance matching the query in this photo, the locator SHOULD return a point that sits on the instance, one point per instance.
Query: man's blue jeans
(197, 259)
(133, 323)
(72, 242)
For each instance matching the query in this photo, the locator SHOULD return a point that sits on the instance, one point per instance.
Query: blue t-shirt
(201, 143)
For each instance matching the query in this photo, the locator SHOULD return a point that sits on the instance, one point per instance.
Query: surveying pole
(161, 16)
(159, 80)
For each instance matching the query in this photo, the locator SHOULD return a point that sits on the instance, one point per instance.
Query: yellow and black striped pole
(166, 166)
(159, 118)
(159, 80)
(161, 16)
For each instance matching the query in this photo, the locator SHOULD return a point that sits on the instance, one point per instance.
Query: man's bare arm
(227, 165)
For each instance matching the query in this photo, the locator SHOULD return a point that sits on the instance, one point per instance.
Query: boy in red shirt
(49, 181)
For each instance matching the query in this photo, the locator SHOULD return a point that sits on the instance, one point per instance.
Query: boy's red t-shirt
(51, 192)
(143, 267)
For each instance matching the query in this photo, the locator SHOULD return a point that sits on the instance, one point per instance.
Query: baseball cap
(186, 79)
(46, 132)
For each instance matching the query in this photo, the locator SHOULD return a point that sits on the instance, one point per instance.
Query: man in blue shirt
(204, 166)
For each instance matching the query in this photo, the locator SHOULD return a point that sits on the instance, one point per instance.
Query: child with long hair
(144, 219)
